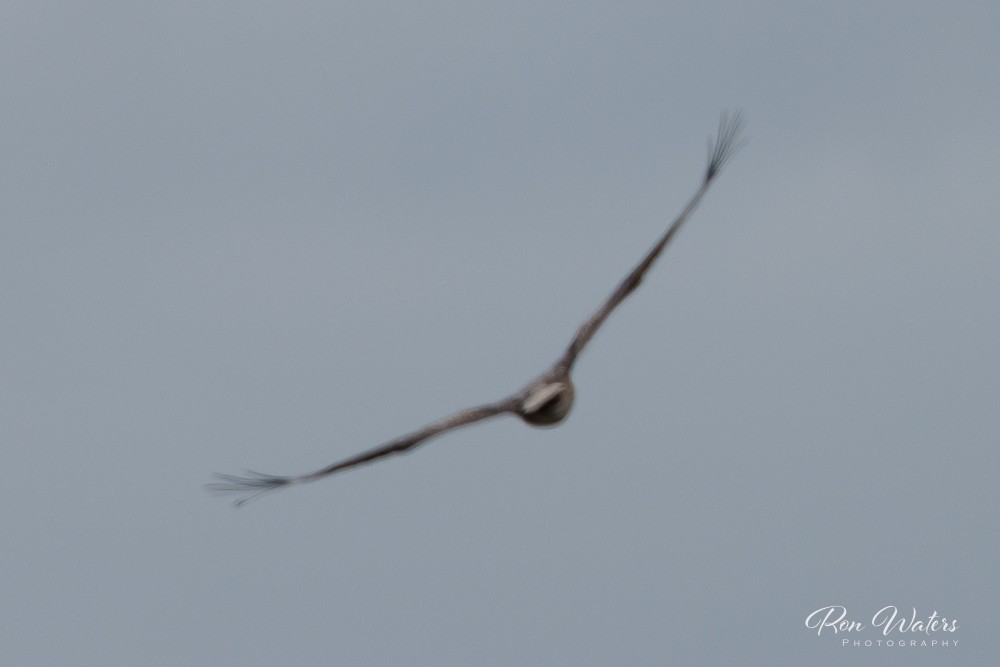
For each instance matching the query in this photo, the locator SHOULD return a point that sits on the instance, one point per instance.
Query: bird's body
(544, 402)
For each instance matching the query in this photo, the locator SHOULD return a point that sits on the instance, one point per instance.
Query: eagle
(545, 401)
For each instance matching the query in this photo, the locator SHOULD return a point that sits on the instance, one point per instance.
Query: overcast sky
(271, 235)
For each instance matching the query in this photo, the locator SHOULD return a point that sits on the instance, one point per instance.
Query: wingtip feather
(251, 486)
(728, 142)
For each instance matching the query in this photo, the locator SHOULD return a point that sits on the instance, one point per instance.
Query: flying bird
(546, 400)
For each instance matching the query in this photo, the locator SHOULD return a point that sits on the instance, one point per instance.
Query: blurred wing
(254, 484)
(720, 152)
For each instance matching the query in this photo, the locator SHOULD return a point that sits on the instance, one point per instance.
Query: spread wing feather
(720, 152)
(254, 484)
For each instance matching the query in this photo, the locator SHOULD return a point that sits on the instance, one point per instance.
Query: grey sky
(271, 235)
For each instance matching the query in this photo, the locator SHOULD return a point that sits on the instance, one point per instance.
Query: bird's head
(547, 403)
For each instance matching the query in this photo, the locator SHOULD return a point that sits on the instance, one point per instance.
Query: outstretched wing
(254, 484)
(720, 152)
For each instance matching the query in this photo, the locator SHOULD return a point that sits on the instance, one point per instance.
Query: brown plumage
(547, 400)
